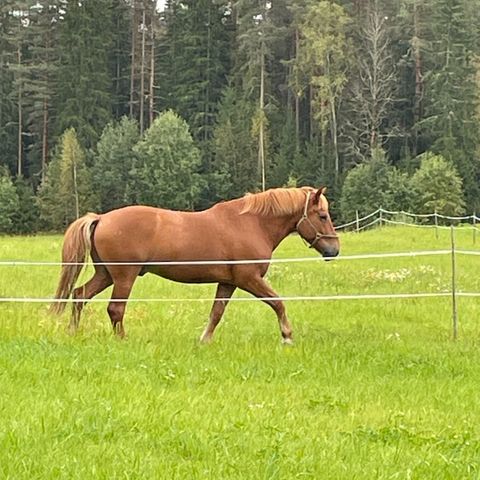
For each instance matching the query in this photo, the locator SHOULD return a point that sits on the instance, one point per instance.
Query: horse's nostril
(330, 252)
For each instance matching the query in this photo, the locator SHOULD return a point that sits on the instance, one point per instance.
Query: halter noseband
(305, 218)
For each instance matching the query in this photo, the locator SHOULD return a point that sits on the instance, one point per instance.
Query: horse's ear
(320, 191)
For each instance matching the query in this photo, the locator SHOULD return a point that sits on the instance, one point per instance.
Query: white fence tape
(21, 263)
(381, 212)
(359, 220)
(372, 296)
(259, 261)
(319, 298)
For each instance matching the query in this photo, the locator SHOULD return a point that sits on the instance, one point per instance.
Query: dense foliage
(272, 93)
(436, 186)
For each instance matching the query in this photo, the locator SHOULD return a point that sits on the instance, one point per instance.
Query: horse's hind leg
(122, 286)
(224, 292)
(99, 282)
(259, 287)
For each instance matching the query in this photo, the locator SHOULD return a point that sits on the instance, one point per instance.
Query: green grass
(372, 389)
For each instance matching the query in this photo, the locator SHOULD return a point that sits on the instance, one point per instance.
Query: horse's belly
(193, 273)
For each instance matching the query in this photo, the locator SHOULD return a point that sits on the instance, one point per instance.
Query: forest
(111, 102)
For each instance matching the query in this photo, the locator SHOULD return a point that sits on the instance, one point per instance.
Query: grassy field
(372, 389)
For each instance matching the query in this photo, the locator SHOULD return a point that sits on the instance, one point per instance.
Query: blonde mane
(277, 201)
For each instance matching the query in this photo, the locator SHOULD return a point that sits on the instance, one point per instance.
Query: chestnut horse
(248, 228)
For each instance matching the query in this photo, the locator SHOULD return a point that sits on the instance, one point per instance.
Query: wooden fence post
(454, 286)
(474, 228)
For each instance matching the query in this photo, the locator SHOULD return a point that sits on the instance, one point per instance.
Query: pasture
(372, 389)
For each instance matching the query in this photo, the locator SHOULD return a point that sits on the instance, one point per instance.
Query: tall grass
(372, 389)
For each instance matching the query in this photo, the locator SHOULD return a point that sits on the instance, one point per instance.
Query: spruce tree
(195, 61)
(9, 202)
(234, 145)
(450, 111)
(84, 85)
(8, 113)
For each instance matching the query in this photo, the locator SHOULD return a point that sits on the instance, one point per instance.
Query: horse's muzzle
(330, 253)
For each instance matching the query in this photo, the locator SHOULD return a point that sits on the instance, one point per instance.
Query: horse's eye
(323, 217)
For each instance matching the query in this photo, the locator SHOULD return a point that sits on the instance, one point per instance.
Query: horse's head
(316, 227)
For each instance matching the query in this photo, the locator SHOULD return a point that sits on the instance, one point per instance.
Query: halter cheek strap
(305, 218)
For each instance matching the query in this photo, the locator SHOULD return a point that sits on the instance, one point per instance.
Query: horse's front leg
(224, 292)
(257, 286)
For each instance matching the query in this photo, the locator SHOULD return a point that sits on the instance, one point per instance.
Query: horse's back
(148, 233)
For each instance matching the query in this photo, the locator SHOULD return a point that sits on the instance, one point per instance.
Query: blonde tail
(76, 246)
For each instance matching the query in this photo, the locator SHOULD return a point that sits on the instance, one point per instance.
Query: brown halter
(304, 218)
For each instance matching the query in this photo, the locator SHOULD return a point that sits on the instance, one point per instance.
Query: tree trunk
(297, 97)
(133, 59)
(152, 77)
(335, 136)
(44, 138)
(261, 139)
(75, 191)
(312, 121)
(418, 76)
(142, 73)
(20, 118)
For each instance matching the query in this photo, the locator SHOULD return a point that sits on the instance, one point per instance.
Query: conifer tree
(9, 202)
(450, 111)
(323, 60)
(84, 85)
(234, 145)
(8, 114)
(66, 193)
(196, 54)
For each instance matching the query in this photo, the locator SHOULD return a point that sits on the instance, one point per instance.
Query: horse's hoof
(205, 340)
(287, 341)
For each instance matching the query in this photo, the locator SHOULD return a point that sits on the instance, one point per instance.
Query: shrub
(167, 162)
(436, 186)
(374, 184)
(113, 163)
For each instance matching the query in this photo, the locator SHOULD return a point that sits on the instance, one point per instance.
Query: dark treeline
(109, 102)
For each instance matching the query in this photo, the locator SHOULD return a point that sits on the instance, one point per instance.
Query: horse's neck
(278, 227)
(273, 227)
